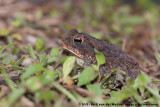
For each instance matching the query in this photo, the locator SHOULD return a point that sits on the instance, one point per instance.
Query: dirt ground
(132, 26)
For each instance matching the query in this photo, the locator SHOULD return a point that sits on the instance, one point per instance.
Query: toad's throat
(79, 59)
(74, 53)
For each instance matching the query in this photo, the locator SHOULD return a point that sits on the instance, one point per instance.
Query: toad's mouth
(80, 56)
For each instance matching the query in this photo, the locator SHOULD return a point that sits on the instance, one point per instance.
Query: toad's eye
(78, 40)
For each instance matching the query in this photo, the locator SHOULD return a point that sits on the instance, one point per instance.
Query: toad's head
(79, 44)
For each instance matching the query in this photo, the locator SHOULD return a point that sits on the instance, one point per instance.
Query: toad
(83, 45)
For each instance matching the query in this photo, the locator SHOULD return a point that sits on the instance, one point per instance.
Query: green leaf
(7, 58)
(68, 66)
(118, 97)
(39, 44)
(97, 35)
(47, 77)
(20, 60)
(31, 52)
(39, 14)
(43, 59)
(18, 21)
(4, 32)
(48, 95)
(53, 12)
(54, 52)
(52, 59)
(80, 26)
(31, 70)
(67, 26)
(114, 40)
(87, 76)
(0, 50)
(14, 67)
(157, 55)
(61, 61)
(142, 80)
(15, 95)
(100, 58)
(11, 44)
(94, 23)
(128, 30)
(109, 3)
(16, 36)
(33, 84)
(155, 91)
(138, 98)
(95, 88)
(59, 73)
(9, 39)
(7, 79)
(132, 20)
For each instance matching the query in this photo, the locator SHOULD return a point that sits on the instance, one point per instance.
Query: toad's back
(82, 45)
